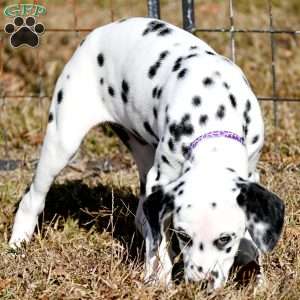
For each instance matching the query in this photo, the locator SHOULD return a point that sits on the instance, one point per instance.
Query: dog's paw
(158, 278)
(23, 229)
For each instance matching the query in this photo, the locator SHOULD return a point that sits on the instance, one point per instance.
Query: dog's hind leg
(72, 113)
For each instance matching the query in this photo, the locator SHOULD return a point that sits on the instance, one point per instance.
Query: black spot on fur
(171, 144)
(100, 59)
(59, 96)
(180, 192)
(150, 131)
(191, 55)
(246, 117)
(230, 169)
(226, 85)
(124, 97)
(241, 179)
(111, 91)
(182, 73)
(165, 160)
(50, 119)
(178, 209)
(208, 81)
(101, 81)
(196, 100)
(232, 100)
(154, 92)
(157, 26)
(185, 127)
(155, 112)
(193, 47)
(153, 69)
(178, 186)
(177, 64)
(159, 92)
(186, 151)
(209, 52)
(220, 112)
(255, 139)
(245, 130)
(68, 76)
(163, 55)
(153, 26)
(167, 120)
(158, 173)
(201, 247)
(228, 249)
(203, 119)
(81, 43)
(248, 105)
(165, 32)
(187, 169)
(125, 86)
(200, 269)
(214, 204)
(125, 90)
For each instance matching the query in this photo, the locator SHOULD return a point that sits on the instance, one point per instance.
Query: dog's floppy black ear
(265, 214)
(157, 207)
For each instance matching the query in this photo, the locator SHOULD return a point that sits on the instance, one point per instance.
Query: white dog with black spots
(195, 130)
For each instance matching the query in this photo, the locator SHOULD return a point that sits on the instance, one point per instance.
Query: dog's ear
(157, 208)
(264, 213)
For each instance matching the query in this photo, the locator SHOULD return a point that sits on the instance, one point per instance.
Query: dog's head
(210, 219)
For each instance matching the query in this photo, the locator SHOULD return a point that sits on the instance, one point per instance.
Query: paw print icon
(24, 32)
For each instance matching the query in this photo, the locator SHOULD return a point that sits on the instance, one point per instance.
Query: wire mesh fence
(191, 19)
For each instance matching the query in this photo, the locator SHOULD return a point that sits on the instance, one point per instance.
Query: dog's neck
(218, 154)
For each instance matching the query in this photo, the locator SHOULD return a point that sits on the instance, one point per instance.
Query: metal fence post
(188, 15)
(154, 9)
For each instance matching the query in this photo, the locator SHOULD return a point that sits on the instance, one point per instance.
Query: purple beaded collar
(215, 134)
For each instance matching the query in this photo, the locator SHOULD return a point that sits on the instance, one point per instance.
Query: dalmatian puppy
(195, 130)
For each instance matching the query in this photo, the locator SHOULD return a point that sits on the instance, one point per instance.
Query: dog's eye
(184, 237)
(222, 241)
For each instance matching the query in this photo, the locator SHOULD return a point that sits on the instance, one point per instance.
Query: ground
(86, 246)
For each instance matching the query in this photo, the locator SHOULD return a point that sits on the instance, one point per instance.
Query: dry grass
(87, 246)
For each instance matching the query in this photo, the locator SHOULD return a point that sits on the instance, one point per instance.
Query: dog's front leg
(158, 265)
